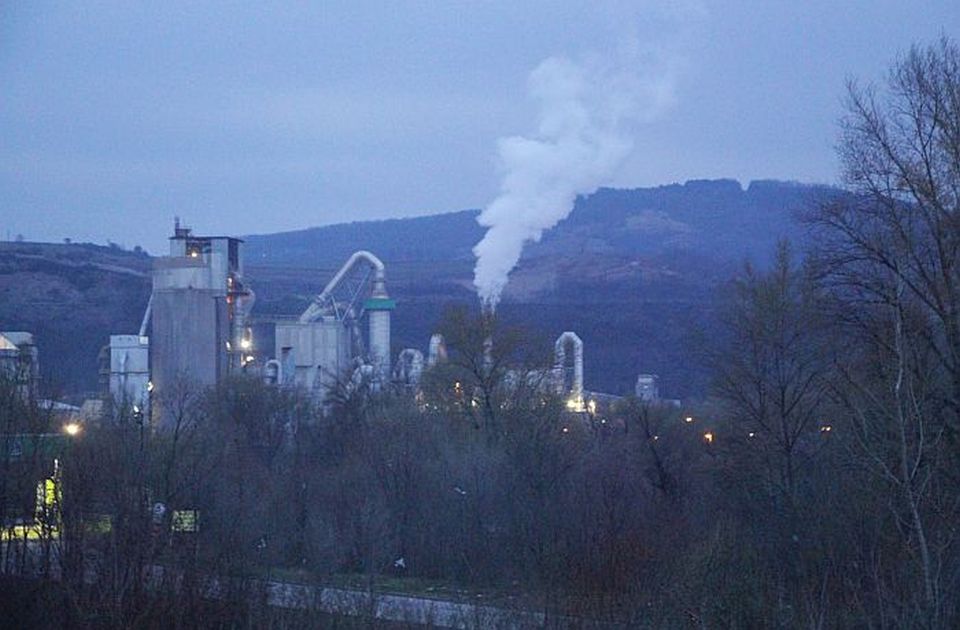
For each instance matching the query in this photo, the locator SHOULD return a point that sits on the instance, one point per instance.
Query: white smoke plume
(587, 111)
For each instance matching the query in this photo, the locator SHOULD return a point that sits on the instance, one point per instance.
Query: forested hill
(718, 215)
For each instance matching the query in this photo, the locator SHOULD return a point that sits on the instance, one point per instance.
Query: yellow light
(708, 437)
(592, 407)
(72, 428)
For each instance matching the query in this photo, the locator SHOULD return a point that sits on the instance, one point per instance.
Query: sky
(258, 117)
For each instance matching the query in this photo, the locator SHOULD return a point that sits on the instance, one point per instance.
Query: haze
(249, 118)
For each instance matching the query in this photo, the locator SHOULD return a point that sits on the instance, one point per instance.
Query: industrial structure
(569, 381)
(326, 344)
(197, 329)
(129, 371)
(196, 319)
(198, 310)
(647, 388)
(19, 362)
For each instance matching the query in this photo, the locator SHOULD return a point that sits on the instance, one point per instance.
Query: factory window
(197, 246)
(233, 253)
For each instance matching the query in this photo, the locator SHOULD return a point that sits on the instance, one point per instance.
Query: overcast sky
(254, 117)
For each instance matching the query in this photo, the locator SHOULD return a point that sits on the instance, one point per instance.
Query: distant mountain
(634, 272)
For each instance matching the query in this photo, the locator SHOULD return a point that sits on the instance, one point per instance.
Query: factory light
(72, 428)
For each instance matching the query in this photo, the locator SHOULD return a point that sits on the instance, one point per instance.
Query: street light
(72, 428)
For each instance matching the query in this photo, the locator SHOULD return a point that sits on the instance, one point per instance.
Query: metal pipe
(146, 317)
(560, 359)
(379, 284)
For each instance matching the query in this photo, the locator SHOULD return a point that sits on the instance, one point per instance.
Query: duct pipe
(379, 284)
(560, 355)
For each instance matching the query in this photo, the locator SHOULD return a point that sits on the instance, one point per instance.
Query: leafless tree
(889, 251)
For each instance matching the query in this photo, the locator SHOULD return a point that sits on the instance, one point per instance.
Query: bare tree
(890, 253)
(771, 367)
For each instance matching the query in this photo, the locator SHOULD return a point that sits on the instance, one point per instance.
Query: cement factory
(197, 329)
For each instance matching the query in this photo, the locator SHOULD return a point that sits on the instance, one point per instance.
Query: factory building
(197, 312)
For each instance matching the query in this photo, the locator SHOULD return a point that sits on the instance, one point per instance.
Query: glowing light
(708, 437)
(575, 404)
(826, 428)
(656, 437)
(592, 407)
(566, 429)
(688, 419)
(194, 254)
(245, 344)
(751, 434)
(149, 386)
(72, 428)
